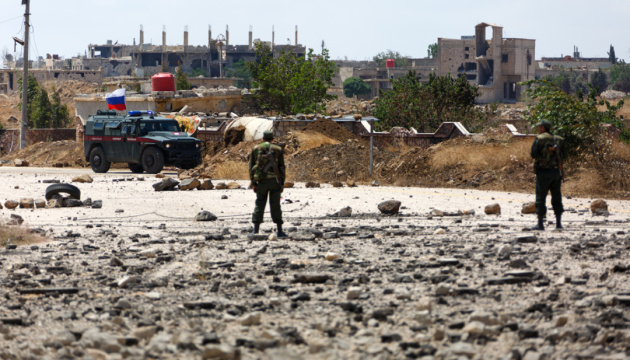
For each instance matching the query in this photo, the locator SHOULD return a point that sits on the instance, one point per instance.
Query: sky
(353, 30)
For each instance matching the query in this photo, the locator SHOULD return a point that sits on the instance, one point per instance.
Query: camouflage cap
(268, 135)
(545, 123)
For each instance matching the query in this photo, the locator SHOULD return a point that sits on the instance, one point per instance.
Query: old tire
(98, 160)
(72, 191)
(136, 168)
(152, 160)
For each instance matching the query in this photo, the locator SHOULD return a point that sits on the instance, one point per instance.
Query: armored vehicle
(145, 141)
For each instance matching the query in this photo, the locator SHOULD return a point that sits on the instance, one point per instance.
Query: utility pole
(24, 121)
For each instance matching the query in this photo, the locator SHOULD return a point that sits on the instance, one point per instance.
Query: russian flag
(116, 100)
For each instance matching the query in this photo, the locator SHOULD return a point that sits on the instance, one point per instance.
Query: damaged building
(145, 59)
(493, 63)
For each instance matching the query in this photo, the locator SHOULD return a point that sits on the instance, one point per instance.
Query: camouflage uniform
(262, 175)
(548, 175)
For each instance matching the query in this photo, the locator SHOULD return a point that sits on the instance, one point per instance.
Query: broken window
(504, 58)
(466, 56)
(471, 77)
(471, 66)
(466, 48)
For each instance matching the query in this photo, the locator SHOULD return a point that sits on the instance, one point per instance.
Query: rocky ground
(138, 278)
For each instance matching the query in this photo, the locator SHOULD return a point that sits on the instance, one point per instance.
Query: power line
(34, 42)
(15, 18)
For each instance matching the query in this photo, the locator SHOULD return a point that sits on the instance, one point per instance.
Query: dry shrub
(476, 157)
(231, 170)
(311, 139)
(585, 182)
(18, 235)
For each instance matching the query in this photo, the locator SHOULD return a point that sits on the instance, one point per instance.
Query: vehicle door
(114, 149)
(131, 141)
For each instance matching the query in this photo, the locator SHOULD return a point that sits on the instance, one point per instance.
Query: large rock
(166, 184)
(11, 204)
(599, 207)
(337, 184)
(20, 162)
(389, 207)
(351, 183)
(493, 209)
(27, 203)
(205, 216)
(345, 212)
(312, 184)
(233, 185)
(289, 184)
(529, 208)
(189, 184)
(85, 178)
(221, 186)
(206, 185)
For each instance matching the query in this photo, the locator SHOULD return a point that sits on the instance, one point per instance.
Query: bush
(425, 106)
(355, 86)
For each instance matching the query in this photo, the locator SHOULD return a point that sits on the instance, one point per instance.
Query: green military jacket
(543, 151)
(260, 167)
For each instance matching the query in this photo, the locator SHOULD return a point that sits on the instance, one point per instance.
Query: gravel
(150, 282)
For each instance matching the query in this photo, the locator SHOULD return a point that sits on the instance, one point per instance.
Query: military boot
(540, 226)
(256, 229)
(558, 221)
(281, 234)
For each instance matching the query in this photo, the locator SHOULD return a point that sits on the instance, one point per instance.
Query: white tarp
(254, 127)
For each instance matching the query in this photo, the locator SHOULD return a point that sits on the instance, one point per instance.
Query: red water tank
(163, 82)
(390, 63)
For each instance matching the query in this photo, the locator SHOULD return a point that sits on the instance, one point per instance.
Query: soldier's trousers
(268, 188)
(548, 180)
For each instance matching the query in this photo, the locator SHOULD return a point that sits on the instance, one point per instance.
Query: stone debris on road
(446, 283)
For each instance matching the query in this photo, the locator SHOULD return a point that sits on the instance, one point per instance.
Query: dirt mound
(331, 129)
(64, 153)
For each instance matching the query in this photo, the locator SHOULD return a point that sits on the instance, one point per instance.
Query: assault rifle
(273, 165)
(556, 150)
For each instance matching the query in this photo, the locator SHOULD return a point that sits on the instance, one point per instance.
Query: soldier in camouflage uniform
(548, 152)
(267, 181)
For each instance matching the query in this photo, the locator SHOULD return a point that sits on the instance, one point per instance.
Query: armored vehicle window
(99, 126)
(129, 129)
(170, 126)
(113, 125)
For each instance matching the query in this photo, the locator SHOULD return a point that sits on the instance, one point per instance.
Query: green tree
(291, 84)
(611, 55)
(425, 106)
(240, 71)
(181, 80)
(41, 116)
(432, 51)
(577, 120)
(355, 86)
(569, 81)
(599, 82)
(59, 111)
(41, 112)
(620, 76)
(380, 58)
(196, 72)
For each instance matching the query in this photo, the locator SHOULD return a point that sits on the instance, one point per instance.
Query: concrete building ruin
(145, 60)
(493, 63)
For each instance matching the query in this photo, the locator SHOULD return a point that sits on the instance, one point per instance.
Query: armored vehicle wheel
(98, 160)
(55, 189)
(136, 168)
(152, 160)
